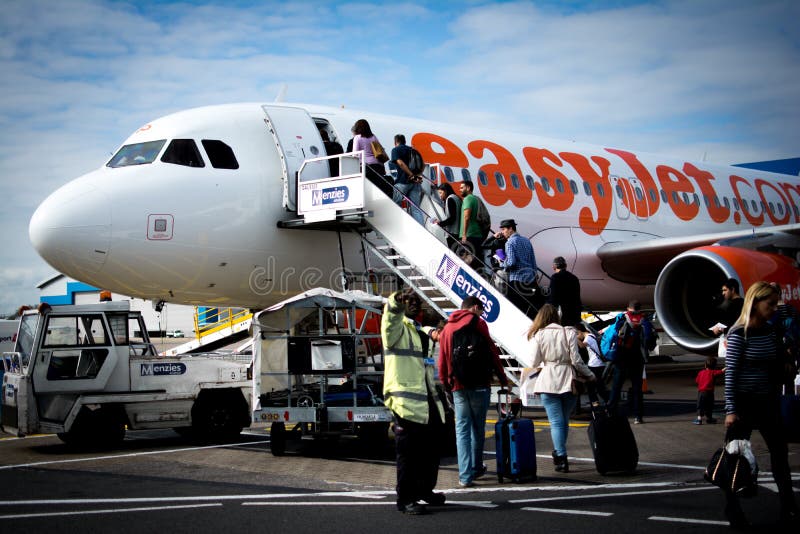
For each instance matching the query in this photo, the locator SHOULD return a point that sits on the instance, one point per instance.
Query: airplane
(188, 209)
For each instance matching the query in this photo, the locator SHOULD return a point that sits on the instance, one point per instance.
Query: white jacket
(555, 349)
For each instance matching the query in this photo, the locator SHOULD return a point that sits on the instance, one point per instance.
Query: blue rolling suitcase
(516, 447)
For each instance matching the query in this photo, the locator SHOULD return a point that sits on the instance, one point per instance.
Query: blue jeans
(470, 406)
(414, 194)
(558, 407)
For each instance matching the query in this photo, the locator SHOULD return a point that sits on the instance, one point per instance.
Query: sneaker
(435, 499)
(413, 508)
(479, 472)
(469, 484)
(698, 421)
(638, 421)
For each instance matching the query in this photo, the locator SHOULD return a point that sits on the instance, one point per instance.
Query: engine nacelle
(688, 289)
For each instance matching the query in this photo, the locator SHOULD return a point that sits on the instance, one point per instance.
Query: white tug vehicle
(88, 372)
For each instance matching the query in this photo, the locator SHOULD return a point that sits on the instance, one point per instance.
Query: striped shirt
(748, 363)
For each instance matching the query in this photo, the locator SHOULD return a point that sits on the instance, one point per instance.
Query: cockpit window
(136, 154)
(183, 152)
(220, 154)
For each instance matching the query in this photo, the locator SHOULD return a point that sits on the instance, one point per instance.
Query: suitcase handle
(506, 410)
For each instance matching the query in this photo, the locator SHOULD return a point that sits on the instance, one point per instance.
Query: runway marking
(570, 512)
(687, 520)
(109, 511)
(619, 494)
(476, 504)
(129, 455)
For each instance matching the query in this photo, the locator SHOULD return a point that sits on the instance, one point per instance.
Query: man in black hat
(520, 266)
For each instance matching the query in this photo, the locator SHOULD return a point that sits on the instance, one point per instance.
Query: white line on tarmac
(477, 504)
(618, 494)
(129, 455)
(355, 494)
(110, 511)
(687, 520)
(570, 512)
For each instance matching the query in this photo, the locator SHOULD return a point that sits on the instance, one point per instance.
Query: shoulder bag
(732, 471)
(378, 151)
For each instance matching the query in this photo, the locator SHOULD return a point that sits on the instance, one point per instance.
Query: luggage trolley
(318, 368)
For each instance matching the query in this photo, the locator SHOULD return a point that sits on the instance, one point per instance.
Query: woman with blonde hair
(555, 350)
(752, 388)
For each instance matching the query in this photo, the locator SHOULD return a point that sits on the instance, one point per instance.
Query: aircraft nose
(71, 229)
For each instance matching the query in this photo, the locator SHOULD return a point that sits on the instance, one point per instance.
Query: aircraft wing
(640, 261)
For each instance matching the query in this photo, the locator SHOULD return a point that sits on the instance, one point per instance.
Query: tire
(103, 428)
(217, 418)
(277, 439)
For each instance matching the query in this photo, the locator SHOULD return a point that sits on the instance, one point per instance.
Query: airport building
(59, 289)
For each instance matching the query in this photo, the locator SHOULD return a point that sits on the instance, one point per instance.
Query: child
(705, 391)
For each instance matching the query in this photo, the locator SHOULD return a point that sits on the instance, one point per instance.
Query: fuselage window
(482, 178)
(619, 191)
(587, 189)
(664, 197)
(514, 181)
(686, 199)
(735, 204)
(448, 174)
(725, 201)
(716, 201)
(755, 206)
(465, 175)
(796, 213)
(705, 199)
(136, 154)
(675, 199)
(601, 190)
(696, 199)
(653, 195)
(500, 179)
(183, 152)
(780, 209)
(545, 184)
(772, 207)
(220, 154)
(639, 194)
(559, 185)
(763, 206)
(529, 182)
(573, 186)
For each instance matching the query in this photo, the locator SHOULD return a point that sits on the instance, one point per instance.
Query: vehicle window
(67, 364)
(118, 322)
(75, 330)
(136, 154)
(25, 338)
(183, 152)
(220, 155)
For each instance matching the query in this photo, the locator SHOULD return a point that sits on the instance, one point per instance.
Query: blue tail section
(781, 166)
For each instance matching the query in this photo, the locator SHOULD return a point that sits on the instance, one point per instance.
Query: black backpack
(415, 163)
(471, 359)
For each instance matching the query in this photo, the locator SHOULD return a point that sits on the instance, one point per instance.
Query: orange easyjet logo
(685, 191)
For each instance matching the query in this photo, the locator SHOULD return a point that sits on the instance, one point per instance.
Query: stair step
(404, 267)
(440, 299)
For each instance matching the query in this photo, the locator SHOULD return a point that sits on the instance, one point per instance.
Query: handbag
(378, 151)
(732, 472)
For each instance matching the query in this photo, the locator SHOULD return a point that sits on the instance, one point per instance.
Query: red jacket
(705, 379)
(456, 320)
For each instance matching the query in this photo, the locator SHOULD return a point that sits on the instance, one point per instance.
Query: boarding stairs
(211, 326)
(424, 262)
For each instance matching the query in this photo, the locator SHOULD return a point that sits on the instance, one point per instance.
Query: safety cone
(645, 389)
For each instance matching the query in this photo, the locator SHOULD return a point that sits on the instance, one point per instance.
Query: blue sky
(713, 79)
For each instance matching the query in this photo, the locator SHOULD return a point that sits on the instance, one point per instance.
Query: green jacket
(407, 380)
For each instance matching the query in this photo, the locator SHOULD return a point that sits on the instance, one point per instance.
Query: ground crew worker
(409, 392)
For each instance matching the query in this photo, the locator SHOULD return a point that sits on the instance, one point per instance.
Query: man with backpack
(473, 228)
(405, 161)
(467, 359)
(627, 344)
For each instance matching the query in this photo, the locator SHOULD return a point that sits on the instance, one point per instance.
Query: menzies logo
(161, 369)
(329, 195)
(465, 286)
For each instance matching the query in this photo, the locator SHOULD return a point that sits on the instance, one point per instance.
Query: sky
(713, 80)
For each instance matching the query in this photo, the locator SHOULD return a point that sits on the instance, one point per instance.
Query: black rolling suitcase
(613, 444)
(516, 447)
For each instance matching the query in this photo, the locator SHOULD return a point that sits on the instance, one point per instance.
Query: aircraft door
(297, 138)
(622, 195)
(639, 198)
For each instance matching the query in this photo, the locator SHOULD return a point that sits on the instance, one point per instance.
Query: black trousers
(418, 453)
(763, 412)
(525, 296)
(705, 404)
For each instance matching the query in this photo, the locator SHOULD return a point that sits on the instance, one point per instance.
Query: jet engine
(688, 290)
